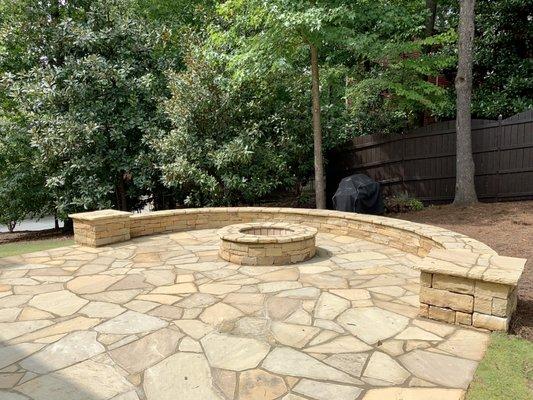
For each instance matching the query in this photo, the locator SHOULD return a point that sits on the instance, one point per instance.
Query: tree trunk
(122, 202)
(465, 190)
(320, 190)
(431, 6)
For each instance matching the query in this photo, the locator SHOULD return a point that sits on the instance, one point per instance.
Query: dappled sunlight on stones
(161, 317)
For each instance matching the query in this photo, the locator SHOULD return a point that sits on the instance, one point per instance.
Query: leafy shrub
(402, 203)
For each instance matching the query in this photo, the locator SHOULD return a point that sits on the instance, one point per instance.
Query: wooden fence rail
(422, 162)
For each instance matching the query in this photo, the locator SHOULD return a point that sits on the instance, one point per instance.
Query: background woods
(186, 103)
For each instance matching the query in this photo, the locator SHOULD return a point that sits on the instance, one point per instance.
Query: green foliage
(205, 102)
(231, 143)
(503, 68)
(402, 203)
(22, 190)
(89, 102)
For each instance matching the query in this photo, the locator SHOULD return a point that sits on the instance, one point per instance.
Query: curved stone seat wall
(409, 237)
(463, 281)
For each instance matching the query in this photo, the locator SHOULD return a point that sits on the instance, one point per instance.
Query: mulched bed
(507, 228)
(24, 236)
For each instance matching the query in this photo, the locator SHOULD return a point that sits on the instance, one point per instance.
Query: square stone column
(99, 228)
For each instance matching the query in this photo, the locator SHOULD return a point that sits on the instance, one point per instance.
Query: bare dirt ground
(507, 228)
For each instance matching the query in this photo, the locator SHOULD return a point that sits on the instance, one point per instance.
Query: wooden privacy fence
(422, 162)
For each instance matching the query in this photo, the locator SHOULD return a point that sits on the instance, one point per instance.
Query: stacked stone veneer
(448, 256)
(469, 289)
(267, 243)
(99, 228)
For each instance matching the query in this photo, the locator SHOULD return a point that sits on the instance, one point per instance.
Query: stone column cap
(100, 215)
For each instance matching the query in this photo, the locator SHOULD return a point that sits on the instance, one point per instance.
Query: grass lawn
(16, 248)
(506, 372)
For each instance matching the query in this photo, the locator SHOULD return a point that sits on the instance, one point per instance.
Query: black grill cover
(358, 193)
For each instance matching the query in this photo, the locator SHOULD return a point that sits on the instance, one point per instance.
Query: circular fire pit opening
(265, 243)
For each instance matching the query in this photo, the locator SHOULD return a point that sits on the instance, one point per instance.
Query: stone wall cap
(499, 269)
(99, 215)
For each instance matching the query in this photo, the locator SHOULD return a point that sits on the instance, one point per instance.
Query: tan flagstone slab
(279, 308)
(302, 293)
(352, 294)
(138, 355)
(100, 309)
(256, 327)
(440, 369)
(9, 314)
(324, 281)
(382, 367)
(131, 322)
(115, 296)
(234, 353)
(466, 344)
(191, 345)
(271, 287)
(186, 374)
(166, 299)
(225, 381)
(194, 328)
(351, 363)
(167, 312)
(38, 289)
(73, 324)
(218, 313)
(329, 306)
(7, 381)
(71, 349)
(14, 353)
(326, 391)
(299, 317)
(363, 256)
(88, 380)
(293, 335)
(372, 324)
(413, 394)
(260, 385)
(90, 284)
(142, 306)
(201, 300)
(178, 288)
(414, 333)
(14, 300)
(342, 344)
(10, 330)
(159, 277)
(287, 361)
(30, 314)
(218, 288)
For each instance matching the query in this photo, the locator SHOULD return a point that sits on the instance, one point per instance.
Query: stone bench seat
(462, 287)
(462, 281)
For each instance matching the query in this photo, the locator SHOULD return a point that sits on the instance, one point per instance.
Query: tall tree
(465, 190)
(320, 187)
(88, 99)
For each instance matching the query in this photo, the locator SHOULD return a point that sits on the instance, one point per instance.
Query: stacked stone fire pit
(266, 243)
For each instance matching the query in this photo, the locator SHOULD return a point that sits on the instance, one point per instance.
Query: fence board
(422, 162)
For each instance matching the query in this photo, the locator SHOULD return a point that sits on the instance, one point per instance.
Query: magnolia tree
(86, 100)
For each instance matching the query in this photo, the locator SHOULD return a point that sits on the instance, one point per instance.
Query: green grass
(16, 248)
(506, 372)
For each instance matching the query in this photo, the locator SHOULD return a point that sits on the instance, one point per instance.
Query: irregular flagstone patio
(164, 318)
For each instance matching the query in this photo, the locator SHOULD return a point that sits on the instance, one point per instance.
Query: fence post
(499, 138)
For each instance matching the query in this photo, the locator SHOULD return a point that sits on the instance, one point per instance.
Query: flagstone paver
(161, 315)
